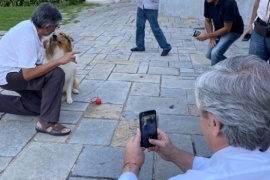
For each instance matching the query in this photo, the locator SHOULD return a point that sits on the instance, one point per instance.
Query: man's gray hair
(46, 14)
(237, 92)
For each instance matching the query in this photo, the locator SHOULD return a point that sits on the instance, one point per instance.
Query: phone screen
(148, 127)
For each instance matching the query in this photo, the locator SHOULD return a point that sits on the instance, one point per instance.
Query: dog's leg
(69, 91)
(75, 85)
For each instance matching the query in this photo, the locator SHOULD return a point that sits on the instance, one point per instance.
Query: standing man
(148, 10)
(228, 27)
(234, 104)
(260, 41)
(22, 70)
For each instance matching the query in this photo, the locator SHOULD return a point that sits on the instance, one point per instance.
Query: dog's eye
(61, 34)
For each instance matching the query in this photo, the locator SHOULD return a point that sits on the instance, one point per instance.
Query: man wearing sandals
(22, 71)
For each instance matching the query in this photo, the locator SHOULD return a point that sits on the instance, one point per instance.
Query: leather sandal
(52, 128)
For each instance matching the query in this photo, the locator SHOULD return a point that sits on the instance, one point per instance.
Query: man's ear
(215, 124)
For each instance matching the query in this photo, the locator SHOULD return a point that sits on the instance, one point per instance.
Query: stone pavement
(127, 83)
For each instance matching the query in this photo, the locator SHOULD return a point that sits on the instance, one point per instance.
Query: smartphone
(196, 33)
(148, 127)
(246, 37)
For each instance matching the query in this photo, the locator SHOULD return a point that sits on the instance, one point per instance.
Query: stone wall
(194, 8)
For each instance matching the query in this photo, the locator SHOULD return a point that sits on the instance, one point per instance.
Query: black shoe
(137, 49)
(165, 52)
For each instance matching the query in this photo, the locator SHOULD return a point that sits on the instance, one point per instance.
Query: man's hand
(163, 146)
(212, 42)
(202, 37)
(248, 30)
(134, 155)
(69, 57)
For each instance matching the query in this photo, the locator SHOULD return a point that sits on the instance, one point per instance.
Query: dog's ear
(71, 38)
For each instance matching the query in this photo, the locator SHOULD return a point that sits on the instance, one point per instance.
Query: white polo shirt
(20, 48)
(229, 163)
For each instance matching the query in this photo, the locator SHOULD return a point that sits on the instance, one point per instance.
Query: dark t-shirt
(224, 11)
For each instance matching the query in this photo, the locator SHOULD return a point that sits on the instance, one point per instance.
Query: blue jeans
(151, 16)
(260, 46)
(216, 54)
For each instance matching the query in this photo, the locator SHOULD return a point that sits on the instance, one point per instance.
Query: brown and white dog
(58, 45)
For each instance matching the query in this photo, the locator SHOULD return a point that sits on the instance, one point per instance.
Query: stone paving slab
(14, 135)
(4, 161)
(94, 132)
(37, 158)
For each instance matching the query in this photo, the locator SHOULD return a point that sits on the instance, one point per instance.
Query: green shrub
(11, 3)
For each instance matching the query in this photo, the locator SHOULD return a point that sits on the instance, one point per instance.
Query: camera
(196, 33)
(148, 127)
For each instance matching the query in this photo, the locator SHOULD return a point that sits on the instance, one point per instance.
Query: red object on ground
(98, 101)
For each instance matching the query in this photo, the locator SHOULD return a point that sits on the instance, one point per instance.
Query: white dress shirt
(230, 163)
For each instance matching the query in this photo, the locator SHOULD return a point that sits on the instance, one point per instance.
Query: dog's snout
(54, 37)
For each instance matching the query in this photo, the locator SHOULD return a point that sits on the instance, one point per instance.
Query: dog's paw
(69, 100)
(75, 91)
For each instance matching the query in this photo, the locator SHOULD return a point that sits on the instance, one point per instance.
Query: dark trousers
(41, 96)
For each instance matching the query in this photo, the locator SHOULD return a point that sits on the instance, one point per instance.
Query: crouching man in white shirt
(234, 103)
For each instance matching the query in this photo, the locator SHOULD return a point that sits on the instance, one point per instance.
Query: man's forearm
(254, 12)
(182, 159)
(131, 167)
(208, 26)
(29, 74)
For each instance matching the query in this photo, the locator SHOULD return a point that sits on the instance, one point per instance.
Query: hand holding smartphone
(148, 127)
(196, 33)
(246, 37)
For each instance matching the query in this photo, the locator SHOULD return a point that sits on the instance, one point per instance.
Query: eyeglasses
(57, 26)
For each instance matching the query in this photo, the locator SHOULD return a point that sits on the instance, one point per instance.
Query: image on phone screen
(148, 127)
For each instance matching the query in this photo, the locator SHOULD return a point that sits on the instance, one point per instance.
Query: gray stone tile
(94, 132)
(70, 117)
(14, 136)
(173, 93)
(14, 117)
(177, 82)
(143, 68)
(147, 168)
(191, 96)
(75, 106)
(109, 91)
(99, 162)
(163, 70)
(4, 161)
(88, 90)
(179, 124)
(181, 65)
(145, 89)
(159, 63)
(42, 161)
(160, 104)
(121, 68)
(100, 71)
(117, 57)
(134, 77)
